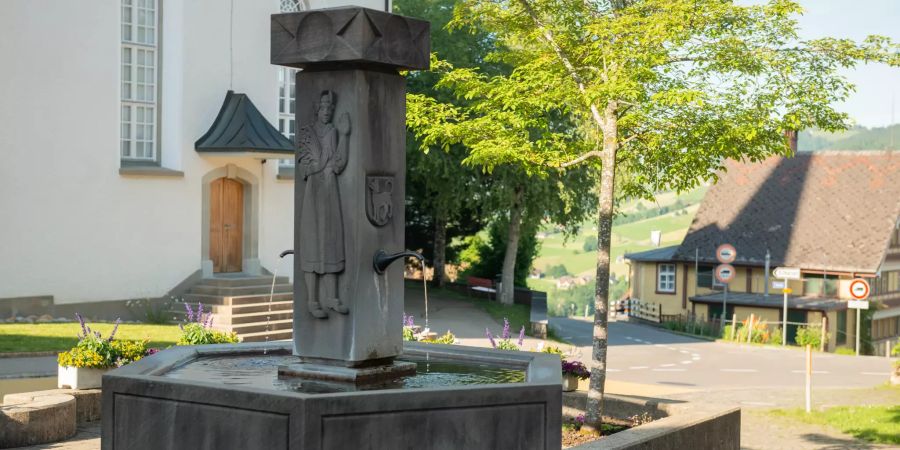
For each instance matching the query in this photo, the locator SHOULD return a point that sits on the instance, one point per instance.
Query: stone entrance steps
(241, 304)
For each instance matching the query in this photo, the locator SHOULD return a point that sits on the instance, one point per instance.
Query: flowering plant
(505, 339)
(576, 369)
(197, 329)
(93, 351)
(409, 331)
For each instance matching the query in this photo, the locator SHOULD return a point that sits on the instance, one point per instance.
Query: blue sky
(876, 84)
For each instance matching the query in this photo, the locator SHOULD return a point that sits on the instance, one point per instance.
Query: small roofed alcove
(241, 130)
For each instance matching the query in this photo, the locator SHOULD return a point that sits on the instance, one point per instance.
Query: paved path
(36, 366)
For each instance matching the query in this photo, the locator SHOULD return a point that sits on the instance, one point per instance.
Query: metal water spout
(285, 253)
(382, 259)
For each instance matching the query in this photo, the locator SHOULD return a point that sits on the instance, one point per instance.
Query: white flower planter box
(570, 383)
(79, 378)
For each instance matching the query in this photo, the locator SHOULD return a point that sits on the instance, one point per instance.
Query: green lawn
(879, 424)
(41, 337)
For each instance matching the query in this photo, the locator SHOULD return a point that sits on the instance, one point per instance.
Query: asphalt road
(648, 355)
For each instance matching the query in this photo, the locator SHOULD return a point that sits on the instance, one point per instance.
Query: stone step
(240, 290)
(257, 327)
(252, 318)
(273, 336)
(253, 307)
(234, 300)
(242, 281)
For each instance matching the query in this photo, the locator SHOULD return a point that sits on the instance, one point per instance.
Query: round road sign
(859, 289)
(725, 273)
(726, 254)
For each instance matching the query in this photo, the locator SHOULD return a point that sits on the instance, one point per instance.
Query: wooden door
(226, 225)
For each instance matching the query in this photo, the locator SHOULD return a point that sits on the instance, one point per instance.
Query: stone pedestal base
(357, 375)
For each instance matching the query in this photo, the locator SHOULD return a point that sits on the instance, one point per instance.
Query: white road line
(669, 370)
(684, 351)
(638, 367)
(629, 338)
(666, 365)
(814, 371)
(613, 370)
(672, 348)
(686, 362)
(739, 370)
(880, 374)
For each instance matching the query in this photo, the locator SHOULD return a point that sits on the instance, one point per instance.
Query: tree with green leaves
(662, 92)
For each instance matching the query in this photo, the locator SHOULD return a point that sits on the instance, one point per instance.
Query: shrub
(809, 336)
(575, 368)
(590, 244)
(552, 350)
(896, 350)
(155, 312)
(557, 271)
(844, 350)
(93, 351)
(447, 338)
(197, 330)
(505, 342)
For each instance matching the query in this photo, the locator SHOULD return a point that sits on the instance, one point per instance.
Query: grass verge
(878, 424)
(42, 337)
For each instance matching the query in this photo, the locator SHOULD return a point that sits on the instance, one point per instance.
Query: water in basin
(261, 371)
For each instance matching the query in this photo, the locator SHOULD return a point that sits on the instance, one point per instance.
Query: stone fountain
(347, 381)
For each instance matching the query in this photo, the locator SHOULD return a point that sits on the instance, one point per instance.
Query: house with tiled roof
(833, 215)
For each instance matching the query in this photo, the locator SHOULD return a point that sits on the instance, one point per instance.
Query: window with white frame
(665, 278)
(140, 61)
(286, 89)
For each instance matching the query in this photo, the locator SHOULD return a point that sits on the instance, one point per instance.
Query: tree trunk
(507, 279)
(594, 410)
(440, 247)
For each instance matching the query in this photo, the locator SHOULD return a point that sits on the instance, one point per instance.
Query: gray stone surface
(144, 410)
(47, 418)
(349, 36)
(87, 401)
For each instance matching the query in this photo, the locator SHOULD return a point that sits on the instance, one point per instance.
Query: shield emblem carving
(379, 201)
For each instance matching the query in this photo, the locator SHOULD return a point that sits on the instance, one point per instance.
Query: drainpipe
(768, 259)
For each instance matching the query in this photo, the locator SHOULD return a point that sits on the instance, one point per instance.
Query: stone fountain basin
(142, 409)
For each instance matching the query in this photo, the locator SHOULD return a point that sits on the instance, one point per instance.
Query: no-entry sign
(859, 289)
(726, 254)
(725, 273)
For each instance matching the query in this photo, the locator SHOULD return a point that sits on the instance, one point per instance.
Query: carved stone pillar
(350, 178)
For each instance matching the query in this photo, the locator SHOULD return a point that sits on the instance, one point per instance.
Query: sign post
(786, 273)
(726, 254)
(859, 290)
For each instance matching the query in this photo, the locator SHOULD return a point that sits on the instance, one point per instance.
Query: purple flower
(209, 319)
(112, 335)
(580, 419)
(190, 312)
(522, 336)
(490, 337)
(151, 351)
(575, 368)
(84, 329)
(505, 334)
(199, 312)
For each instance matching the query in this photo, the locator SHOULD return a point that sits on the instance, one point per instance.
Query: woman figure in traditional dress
(323, 155)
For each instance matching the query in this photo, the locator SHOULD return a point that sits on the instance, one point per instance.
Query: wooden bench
(481, 285)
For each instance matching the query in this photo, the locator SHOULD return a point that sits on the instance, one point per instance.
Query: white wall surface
(70, 225)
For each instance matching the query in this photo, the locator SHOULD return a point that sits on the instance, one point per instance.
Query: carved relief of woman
(323, 155)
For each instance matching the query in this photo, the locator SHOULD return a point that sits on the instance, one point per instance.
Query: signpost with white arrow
(785, 274)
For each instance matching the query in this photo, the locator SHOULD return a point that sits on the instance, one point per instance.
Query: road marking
(638, 367)
(684, 351)
(613, 370)
(667, 365)
(880, 374)
(669, 370)
(814, 371)
(672, 348)
(739, 370)
(687, 362)
(629, 338)
(695, 357)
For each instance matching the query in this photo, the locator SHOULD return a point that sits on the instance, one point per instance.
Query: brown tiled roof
(817, 211)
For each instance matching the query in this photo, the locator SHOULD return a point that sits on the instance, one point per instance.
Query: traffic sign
(787, 273)
(778, 284)
(859, 289)
(726, 254)
(725, 273)
(858, 304)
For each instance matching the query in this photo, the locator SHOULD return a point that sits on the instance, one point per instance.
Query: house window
(140, 61)
(286, 96)
(886, 283)
(707, 279)
(665, 278)
(820, 285)
(287, 89)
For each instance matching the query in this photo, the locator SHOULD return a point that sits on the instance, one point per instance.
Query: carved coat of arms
(379, 201)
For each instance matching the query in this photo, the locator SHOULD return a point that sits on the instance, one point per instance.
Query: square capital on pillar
(350, 36)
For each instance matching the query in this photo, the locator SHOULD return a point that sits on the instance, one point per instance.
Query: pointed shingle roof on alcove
(240, 127)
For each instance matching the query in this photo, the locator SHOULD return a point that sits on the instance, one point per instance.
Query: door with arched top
(226, 225)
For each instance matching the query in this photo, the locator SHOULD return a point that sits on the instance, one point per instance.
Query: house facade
(146, 144)
(834, 215)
